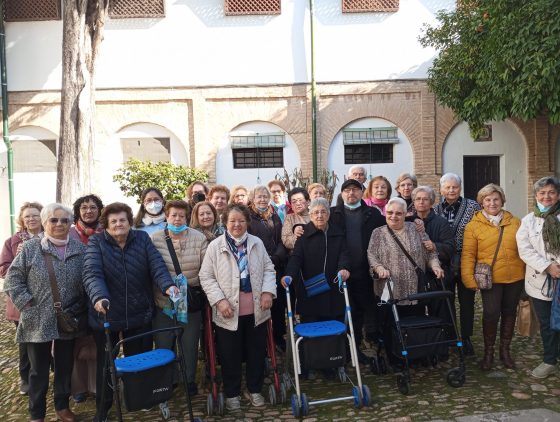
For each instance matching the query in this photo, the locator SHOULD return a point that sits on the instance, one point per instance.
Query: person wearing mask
(278, 191)
(219, 196)
(458, 211)
(196, 192)
(29, 224)
(358, 221)
(205, 219)
(150, 217)
(405, 184)
(378, 193)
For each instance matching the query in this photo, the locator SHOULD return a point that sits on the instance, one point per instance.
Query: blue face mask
(353, 206)
(177, 229)
(262, 209)
(542, 208)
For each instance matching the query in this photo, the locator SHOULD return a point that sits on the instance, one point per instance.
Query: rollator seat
(320, 329)
(144, 361)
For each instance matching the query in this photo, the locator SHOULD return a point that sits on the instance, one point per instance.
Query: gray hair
(320, 202)
(426, 189)
(545, 181)
(353, 168)
(48, 211)
(398, 201)
(259, 188)
(450, 176)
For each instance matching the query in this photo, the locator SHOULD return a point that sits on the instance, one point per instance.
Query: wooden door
(478, 171)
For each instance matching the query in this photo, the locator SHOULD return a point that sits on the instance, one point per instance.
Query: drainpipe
(313, 96)
(4, 81)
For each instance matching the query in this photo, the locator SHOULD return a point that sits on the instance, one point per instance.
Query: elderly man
(358, 221)
(358, 173)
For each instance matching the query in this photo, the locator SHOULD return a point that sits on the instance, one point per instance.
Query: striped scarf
(239, 250)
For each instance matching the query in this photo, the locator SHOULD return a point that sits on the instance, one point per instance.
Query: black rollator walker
(146, 379)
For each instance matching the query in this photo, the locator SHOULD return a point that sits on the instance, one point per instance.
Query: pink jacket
(9, 252)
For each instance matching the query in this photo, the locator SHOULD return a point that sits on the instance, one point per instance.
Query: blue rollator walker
(308, 331)
(146, 379)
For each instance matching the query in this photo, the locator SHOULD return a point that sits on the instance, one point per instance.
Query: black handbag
(195, 296)
(318, 283)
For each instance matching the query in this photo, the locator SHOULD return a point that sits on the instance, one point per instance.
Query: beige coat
(219, 277)
(190, 254)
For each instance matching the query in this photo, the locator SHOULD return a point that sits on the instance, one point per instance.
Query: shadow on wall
(211, 13)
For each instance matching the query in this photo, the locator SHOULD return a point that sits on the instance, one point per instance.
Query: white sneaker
(233, 403)
(257, 399)
(544, 370)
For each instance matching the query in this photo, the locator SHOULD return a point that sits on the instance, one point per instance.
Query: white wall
(402, 154)
(196, 44)
(226, 175)
(508, 144)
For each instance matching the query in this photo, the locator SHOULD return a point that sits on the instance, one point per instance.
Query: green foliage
(497, 59)
(171, 179)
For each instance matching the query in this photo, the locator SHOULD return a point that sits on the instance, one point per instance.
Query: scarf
(148, 219)
(85, 231)
(280, 210)
(265, 215)
(239, 249)
(551, 228)
(494, 219)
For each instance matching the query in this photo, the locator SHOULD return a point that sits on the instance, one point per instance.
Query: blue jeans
(550, 338)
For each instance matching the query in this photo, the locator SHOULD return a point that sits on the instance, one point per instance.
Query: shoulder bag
(483, 272)
(423, 283)
(317, 284)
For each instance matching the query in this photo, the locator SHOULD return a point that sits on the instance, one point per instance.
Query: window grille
(122, 9)
(360, 6)
(32, 10)
(368, 154)
(378, 135)
(269, 140)
(34, 155)
(146, 149)
(252, 158)
(252, 7)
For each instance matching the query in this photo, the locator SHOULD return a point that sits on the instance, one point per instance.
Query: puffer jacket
(530, 245)
(479, 245)
(125, 277)
(190, 254)
(28, 281)
(219, 278)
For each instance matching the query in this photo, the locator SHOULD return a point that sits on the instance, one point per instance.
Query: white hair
(48, 211)
(427, 189)
(320, 202)
(353, 168)
(399, 201)
(450, 176)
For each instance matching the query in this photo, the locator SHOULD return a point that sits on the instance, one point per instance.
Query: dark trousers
(134, 347)
(362, 301)
(501, 300)
(550, 338)
(278, 312)
(40, 360)
(23, 365)
(466, 306)
(247, 341)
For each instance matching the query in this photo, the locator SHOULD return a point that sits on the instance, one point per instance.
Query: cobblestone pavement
(431, 398)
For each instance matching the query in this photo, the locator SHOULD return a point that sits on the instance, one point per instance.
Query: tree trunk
(83, 23)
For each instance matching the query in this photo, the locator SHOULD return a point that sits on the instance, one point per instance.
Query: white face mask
(154, 207)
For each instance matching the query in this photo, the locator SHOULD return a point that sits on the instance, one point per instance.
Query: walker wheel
(296, 407)
(304, 405)
(221, 405)
(210, 405)
(456, 377)
(272, 395)
(366, 395)
(165, 412)
(342, 374)
(357, 397)
(403, 384)
(283, 394)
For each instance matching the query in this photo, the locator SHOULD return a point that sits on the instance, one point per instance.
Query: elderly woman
(239, 195)
(121, 266)
(278, 202)
(218, 196)
(87, 210)
(266, 225)
(239, 280)
(29, 224)
(538, 242)
(150, 217)
(378, 192)
(189, 247)
(458, 211)
(204, 218)
(294, 222)
(491, 233)
(316, 190)
(321, 249)
(405, 184)
(49, 270)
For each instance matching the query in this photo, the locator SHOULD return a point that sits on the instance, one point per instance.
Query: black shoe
(79, 398)
(363, 358)
(23, 388)
(468, 348)
(98, 418)
(193, 388)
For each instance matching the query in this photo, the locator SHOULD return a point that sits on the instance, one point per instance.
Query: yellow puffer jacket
(479, 245)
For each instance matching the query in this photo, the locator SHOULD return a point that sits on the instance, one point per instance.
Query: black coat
(271, 236)
(125, 277)
(371, 219)
(308, 259)
(439, 231)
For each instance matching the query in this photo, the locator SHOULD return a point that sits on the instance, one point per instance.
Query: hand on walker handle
(344, 274)
(438, 271)
(286, 281)
(101, 306)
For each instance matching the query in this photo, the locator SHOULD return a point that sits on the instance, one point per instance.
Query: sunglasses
(55, 220)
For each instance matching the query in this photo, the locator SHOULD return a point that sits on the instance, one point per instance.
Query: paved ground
(499, 395)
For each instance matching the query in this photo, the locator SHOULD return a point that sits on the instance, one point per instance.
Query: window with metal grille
(368, 154)
(32, 10)
(146, 149)
(34, 155)
(252, 158)
(252, 7)
(360, 6)
(122, 9)
(378, 135)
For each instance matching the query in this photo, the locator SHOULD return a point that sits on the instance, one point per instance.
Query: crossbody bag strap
(498, 246)
(52, 278)
(403, 249)
(172, 252)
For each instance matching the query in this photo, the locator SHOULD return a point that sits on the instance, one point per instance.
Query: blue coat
(125, 277)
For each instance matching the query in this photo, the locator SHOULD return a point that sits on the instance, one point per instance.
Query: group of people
(232, 249)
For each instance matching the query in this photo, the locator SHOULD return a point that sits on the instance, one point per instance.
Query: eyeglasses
(275, 191)
(147, 201)
(298, 201)
(395, 213)
(319, 212)
(86, 208)
(32, 217)
(350, 190)
(55, 220)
